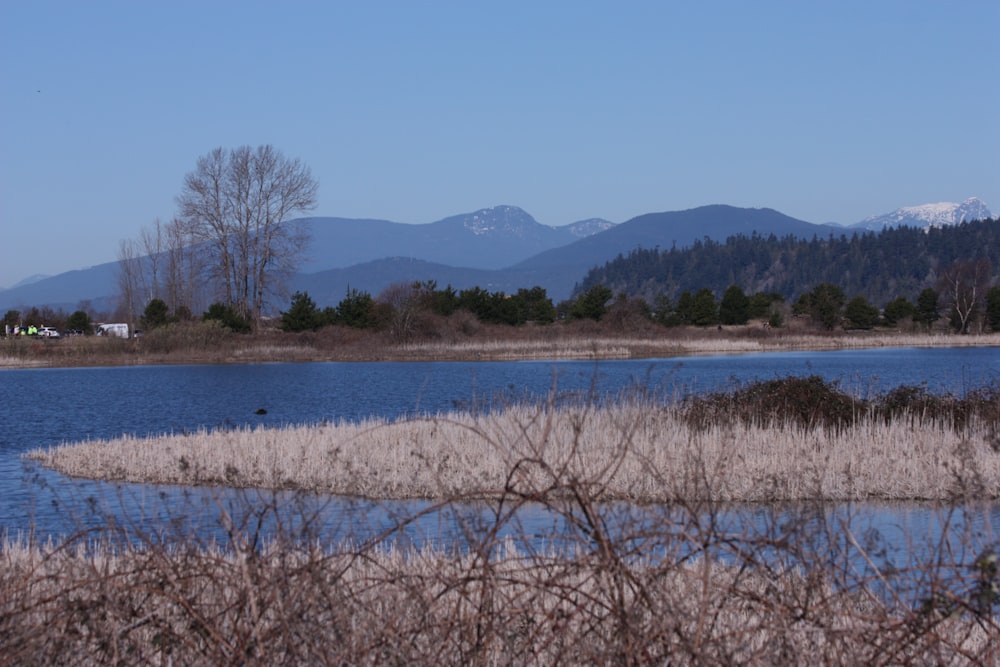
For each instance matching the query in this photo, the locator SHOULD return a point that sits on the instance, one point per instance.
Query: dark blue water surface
(48, 406)
(43, 407)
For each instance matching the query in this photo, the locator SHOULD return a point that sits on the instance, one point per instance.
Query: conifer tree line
(402, 309)
(901, 275)
(878, 266)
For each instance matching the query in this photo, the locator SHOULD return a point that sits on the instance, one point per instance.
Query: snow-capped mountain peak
(514, 222)
(489, 221)
(929, 215)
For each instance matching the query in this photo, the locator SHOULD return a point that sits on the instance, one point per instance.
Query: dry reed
(630, 451)
(676, 344)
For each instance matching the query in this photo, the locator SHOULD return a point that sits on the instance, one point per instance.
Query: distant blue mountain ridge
(498, 248)
(490, 238)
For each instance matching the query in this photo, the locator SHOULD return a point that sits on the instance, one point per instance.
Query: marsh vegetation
(780, 440)
(667, 577)
(457, 337)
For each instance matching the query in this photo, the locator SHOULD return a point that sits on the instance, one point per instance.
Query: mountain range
(929, 215)
(502, 248)
(490, 238)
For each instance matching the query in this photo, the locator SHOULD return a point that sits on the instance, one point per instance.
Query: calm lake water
(43, 407)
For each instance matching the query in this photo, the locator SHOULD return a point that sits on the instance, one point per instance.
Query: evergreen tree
(704, 309)
(356, 309)
(860, 314)
(80, 321)
(734, 307)
(684, 310)
(302, 315)
(824, 304)
(663, 311)
(898, 309)
(927, 307)
(533, 305)
(993, 309)
(493, 307)
(760, 304)
(11, 319)
(444, 302)
(592, 304)
(227, 317)
(156, 314)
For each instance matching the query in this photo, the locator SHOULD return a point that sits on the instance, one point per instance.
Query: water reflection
(901, 551)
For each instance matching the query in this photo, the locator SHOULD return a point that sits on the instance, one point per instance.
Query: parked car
(48, 332)
(119, 329)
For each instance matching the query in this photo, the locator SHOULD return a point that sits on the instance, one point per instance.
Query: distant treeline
(897, 262)
(859, 281)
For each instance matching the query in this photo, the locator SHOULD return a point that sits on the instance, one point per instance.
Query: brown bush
(802, 401)
(812, 401)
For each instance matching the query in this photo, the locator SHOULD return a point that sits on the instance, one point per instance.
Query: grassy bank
(449, 339)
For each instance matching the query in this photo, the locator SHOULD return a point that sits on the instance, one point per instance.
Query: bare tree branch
(237, 202)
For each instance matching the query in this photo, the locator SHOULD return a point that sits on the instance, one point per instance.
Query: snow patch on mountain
(515, 222)
(589, 227)
(499, 219)
(28, 281)
(929, 215)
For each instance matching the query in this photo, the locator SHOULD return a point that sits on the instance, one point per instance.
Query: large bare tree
(965, 283)
(184, 270)
(152, 240)
(165, 262)
(236, 202)
(131, 280)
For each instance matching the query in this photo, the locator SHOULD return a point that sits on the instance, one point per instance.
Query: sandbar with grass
(783, 440)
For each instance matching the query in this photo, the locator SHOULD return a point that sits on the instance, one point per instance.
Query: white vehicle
(48, 332)
(119, 329)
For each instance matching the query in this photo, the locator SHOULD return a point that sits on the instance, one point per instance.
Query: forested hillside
(879, 266)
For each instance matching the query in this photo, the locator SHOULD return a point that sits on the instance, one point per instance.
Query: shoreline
(531, 344)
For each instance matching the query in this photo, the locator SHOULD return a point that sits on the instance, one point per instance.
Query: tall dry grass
(632, 450)
(674, 344)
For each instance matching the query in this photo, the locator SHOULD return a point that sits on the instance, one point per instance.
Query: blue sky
(414, 111)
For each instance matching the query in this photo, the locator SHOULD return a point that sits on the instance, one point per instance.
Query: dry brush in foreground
(292, 603)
